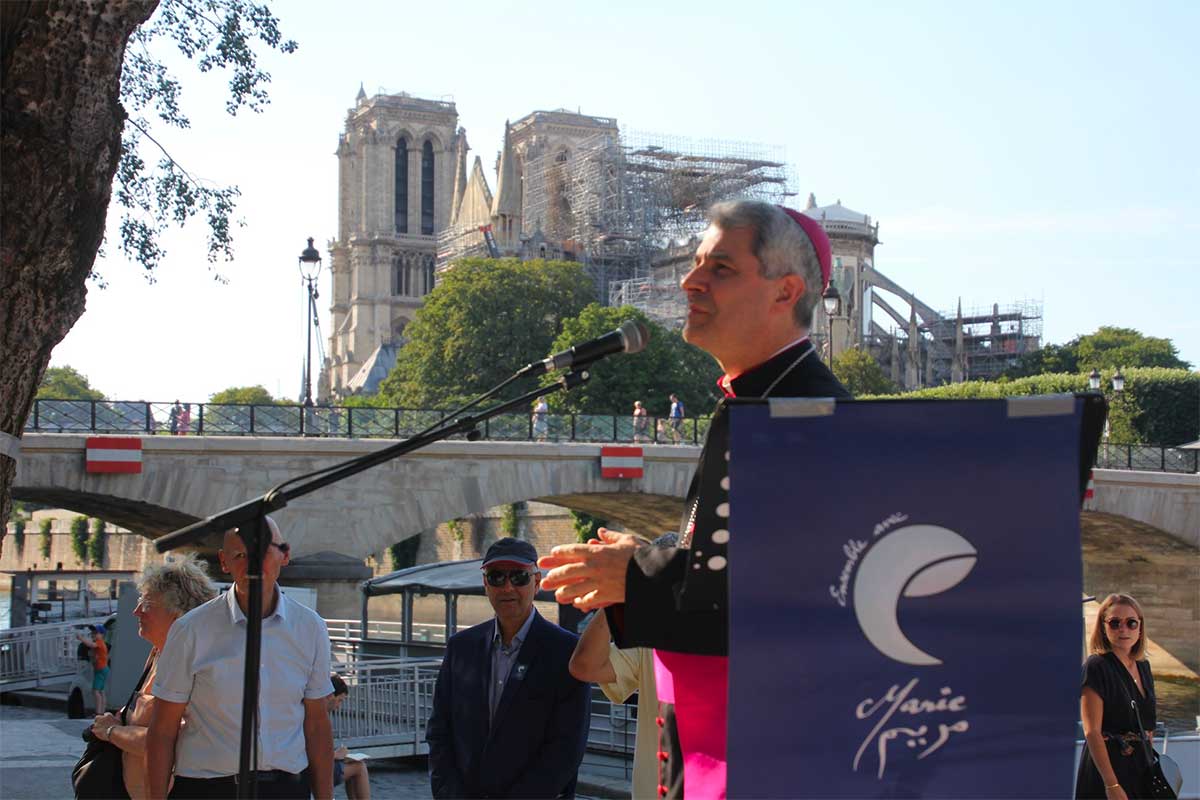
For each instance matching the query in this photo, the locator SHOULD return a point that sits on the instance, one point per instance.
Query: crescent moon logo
(913, 561)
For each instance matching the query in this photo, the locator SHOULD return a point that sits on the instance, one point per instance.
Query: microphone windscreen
(635, 335)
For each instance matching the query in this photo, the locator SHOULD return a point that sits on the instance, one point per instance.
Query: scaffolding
(618, 201)
(658, 294)
(993, 339)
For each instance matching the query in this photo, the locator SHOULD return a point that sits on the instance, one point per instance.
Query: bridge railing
(219, 419)
(215, 419)
(1148, 458)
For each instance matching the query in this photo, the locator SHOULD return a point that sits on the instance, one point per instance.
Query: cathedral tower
(396, 182)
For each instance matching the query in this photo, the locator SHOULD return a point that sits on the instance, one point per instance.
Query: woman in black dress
(1113, 764)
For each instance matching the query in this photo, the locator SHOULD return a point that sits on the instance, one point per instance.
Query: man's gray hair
(780, 245)
(180, 585)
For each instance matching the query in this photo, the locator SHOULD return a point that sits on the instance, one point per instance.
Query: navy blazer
(535, 744)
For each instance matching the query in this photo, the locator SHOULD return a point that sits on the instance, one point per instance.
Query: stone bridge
(184, 479)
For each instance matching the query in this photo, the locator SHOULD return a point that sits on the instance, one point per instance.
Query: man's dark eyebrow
(717, 255)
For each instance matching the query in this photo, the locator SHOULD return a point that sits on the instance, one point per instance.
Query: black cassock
(677, 599)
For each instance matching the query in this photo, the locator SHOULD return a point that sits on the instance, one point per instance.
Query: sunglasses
(517, 577)
(284, 547)
(1132, 623)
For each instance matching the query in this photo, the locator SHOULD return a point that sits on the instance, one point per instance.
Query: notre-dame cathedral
(627, 206)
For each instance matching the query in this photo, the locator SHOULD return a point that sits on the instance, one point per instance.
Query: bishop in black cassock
(752, 317)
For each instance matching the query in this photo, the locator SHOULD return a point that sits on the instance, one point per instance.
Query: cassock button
(659, 721)
(663, 755)
(662, 790)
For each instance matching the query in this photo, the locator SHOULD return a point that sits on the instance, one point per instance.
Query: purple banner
(905, 598)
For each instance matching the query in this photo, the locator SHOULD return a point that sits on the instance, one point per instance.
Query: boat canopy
(446, 577)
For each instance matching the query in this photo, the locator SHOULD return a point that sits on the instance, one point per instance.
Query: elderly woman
(168, 591)
(1115, 674)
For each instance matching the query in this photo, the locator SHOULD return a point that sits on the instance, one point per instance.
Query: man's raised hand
(590, 575)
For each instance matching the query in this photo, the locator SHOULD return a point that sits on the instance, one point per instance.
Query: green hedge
(1159, 406)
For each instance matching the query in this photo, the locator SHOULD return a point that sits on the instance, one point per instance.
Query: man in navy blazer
(508, 719)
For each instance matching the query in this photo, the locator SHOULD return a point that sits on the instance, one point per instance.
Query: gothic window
(402, 185)
(430, 277)
(427, 188)
(562, 157)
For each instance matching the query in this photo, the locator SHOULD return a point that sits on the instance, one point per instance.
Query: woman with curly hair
(168, 591)
(1115, 675)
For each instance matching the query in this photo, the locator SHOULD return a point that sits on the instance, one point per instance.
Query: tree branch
(166, 154)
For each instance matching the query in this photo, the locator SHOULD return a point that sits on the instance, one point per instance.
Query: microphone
(631, 337)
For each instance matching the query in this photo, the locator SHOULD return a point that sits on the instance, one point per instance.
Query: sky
(1010, 152)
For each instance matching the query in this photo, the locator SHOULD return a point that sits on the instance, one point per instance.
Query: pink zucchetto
(820, 242)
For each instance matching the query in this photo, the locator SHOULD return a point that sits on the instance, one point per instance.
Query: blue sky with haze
(1008, 151)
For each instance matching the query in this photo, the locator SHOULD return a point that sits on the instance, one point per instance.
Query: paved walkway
(38, 748)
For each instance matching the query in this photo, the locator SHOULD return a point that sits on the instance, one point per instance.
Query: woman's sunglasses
(517, 577)
(1132, 623)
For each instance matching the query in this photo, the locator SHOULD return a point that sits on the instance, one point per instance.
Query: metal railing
(1148, 458)
(390, 701)
(388, 706)
(208, 419)
(38, 654)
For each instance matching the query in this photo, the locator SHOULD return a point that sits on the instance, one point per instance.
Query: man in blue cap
(508, 719)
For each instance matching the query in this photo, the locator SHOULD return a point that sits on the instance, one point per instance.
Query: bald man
(199, 676)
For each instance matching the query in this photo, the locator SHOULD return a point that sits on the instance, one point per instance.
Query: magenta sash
(698, 686)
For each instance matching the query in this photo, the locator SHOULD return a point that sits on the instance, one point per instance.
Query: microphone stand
(250, 520)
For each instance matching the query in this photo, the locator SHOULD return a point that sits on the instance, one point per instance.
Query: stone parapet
(1167, 500)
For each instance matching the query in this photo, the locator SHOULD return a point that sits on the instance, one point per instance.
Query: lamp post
(832, 302)
(1118, 386)
(310, 268)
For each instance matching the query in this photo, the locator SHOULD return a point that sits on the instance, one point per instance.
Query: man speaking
(757, 275)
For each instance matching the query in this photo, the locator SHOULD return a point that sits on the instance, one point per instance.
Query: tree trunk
(60, 141)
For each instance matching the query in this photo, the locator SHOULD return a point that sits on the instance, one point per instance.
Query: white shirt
(634, 668)
(203, 664)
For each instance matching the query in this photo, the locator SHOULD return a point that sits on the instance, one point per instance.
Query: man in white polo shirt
(200, 672)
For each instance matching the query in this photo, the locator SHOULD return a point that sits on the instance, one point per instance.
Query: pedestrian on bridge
(641, 419)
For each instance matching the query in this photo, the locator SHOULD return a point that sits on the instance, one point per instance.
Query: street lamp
(310, 268)
(1094, 380)
(1118, 386)
(832, 302)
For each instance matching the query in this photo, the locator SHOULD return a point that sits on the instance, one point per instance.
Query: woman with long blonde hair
(1115, 675)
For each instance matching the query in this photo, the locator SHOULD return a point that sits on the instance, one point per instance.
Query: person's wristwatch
(108, 732)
